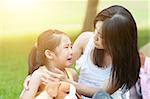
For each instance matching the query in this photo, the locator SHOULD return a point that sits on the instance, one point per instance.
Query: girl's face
(98, 35)
(63, 53)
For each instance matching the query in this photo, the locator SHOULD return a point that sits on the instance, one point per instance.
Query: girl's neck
(52, 65)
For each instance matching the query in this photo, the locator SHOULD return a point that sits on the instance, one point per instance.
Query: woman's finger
(56, 70)
(26, 82)
(46, 76)
(59, 75)
(44, 81)
(54, 75)
(53, 79)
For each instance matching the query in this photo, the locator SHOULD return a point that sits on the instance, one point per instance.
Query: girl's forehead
(65, 39)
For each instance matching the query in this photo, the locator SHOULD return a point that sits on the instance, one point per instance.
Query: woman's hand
(26, 82)
(44, 76)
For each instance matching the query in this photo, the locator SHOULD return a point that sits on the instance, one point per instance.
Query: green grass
(13, 62)
(143, 37)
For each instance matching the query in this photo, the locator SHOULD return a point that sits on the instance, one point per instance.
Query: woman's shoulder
(83, 38)
(86, 35)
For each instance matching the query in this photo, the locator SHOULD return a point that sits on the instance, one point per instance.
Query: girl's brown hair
(49, 39)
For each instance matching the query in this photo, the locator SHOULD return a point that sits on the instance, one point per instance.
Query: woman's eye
(100, 36)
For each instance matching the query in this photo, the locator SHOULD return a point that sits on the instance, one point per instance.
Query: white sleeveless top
(92, 75)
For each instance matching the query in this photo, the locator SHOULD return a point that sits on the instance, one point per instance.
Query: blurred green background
(21, 23)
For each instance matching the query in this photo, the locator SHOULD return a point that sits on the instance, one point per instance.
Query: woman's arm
(78, 48)
(33, 86)
(81, 88)
(40, 76)
(89, 91)
(80, 44)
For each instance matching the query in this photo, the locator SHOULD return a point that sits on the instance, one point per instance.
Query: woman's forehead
(99, 26)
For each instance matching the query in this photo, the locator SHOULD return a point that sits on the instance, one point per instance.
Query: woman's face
(98, 35)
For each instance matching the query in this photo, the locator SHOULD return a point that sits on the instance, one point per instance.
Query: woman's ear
(49, 54)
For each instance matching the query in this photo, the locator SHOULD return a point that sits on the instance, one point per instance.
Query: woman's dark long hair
(119, 34)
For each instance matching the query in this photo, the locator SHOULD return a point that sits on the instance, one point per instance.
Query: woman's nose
(95, 37)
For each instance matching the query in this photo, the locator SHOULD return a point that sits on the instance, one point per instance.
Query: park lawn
(13, 61)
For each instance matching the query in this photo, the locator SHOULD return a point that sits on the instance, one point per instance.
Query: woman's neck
(107, 60)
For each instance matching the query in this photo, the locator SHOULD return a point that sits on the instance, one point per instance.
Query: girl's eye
(66, 46)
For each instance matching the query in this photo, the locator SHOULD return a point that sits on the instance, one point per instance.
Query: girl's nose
(70, 51)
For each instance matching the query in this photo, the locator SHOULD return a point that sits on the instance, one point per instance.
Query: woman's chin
(98, 47)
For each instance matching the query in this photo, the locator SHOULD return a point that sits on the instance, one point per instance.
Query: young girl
(53, 50)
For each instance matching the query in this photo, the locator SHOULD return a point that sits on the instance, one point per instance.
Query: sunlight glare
(16, 5)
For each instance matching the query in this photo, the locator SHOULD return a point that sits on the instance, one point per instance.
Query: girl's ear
(49, 54)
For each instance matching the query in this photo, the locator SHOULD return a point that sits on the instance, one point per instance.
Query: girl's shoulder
(72, 74)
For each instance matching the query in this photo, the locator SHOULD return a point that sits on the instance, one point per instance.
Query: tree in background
(91, 12)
